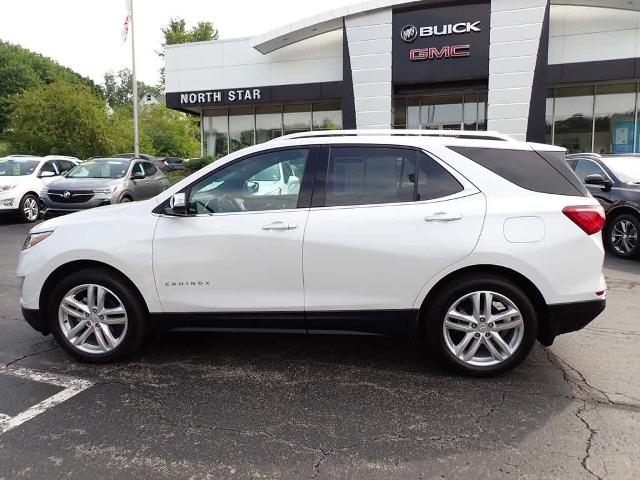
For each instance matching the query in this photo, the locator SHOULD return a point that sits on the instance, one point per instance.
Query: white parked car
(480, 243)
(22, 179)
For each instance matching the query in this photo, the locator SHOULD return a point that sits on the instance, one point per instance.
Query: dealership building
(557, 71)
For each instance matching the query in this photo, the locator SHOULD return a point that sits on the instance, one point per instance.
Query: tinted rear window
(527, 169)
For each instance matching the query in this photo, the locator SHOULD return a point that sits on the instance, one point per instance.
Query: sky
(86, 35)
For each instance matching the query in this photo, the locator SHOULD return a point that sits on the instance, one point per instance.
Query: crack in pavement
(589, 443)
(593, 397)
(34, 354)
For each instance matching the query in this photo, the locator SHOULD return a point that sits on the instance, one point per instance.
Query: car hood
(98, 215)
(14, 180)
(82, 183)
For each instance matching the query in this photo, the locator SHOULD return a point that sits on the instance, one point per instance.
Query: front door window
(268, 181)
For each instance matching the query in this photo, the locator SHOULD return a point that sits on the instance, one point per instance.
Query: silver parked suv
(103, 181)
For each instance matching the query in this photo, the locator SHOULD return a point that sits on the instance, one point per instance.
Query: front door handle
(279, 226)
(443, 217)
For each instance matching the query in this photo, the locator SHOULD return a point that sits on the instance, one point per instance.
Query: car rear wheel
(622, 236)
(95, 316)
(483, 325)
(29, 210)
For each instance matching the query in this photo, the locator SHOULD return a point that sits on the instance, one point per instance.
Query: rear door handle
(443, 217)
(279, 226)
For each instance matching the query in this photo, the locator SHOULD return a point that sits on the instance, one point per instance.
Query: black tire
(124, 199)
(609, 230)
(448, 294)
(135, 310)
(34, 202)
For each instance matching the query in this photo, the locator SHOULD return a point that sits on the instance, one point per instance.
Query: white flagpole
(136, 142)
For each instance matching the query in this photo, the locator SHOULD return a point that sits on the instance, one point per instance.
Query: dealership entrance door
(465, 110)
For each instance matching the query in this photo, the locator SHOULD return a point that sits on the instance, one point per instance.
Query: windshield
(626, 169)
(17, 167)
(100, 169)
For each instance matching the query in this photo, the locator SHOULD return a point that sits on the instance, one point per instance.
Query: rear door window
(149, 170)
(527, 169)
(365, 175)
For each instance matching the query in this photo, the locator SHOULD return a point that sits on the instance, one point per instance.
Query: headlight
(4, 188)
(35, 238)
(105, 190)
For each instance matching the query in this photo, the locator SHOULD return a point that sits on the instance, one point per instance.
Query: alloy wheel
(30, 209)
(93, 319)
(483, 329)
(624, 237)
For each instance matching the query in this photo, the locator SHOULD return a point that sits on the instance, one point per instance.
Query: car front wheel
(95, 317)
(483, 325)
(29, 210)
(622, 236)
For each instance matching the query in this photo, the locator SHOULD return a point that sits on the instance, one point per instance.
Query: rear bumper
(36, 320)
(569, 317)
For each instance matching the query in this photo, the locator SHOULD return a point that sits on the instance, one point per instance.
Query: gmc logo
(435, 53)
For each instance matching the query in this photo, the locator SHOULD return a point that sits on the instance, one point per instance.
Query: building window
(463, 111)
(327, 116)
(614, 118)
(297, 118)
(268, 123)
(216, 133)
(573, 118)
(598, 118)
(227, 130)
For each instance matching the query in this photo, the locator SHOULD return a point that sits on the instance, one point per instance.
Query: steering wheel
(222, 204)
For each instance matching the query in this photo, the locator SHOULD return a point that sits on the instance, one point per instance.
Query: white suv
(480, 243)
(22, 179)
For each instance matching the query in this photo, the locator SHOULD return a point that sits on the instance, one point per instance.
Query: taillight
(589, 218)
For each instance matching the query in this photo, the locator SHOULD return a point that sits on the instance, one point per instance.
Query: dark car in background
(172, 163)
(102, 181)
(615, 181)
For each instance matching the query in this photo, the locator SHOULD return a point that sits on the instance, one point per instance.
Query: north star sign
(221, 96)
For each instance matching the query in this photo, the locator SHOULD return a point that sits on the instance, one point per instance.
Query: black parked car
(172, 163)
(615, 181)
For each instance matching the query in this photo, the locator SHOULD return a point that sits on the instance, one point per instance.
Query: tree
(163, 132)
(176, 32)
(118, 88)
(21, 69)
(61, 118)
(171, 133)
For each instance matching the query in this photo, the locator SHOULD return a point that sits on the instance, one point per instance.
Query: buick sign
(409, 33)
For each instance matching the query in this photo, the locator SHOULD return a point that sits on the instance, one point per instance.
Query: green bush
(196, 164)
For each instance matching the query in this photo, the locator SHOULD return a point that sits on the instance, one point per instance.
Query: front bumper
(36, 320)
(569, 317)
(50, 208)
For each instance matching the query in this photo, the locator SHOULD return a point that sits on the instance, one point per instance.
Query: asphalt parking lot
(199, 406)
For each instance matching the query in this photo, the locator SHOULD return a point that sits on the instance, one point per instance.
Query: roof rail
(582, 155)
(466, 134)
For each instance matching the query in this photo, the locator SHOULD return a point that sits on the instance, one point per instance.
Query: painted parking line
(71, 386)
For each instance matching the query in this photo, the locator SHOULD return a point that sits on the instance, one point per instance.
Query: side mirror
(137, 175)
(46, 174)
(252, 187)
(177, 204)
(599, 181)
(293, 183)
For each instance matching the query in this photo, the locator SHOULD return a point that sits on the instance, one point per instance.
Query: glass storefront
(459, 111)
(229, 129)
(599, 118)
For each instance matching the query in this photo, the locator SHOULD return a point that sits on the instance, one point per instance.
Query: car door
(48, 172)
(585, 167)
(142, 187)
(236, 251)
(379, 229)
(155, 177)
